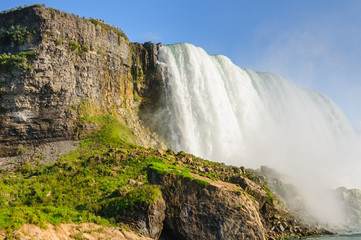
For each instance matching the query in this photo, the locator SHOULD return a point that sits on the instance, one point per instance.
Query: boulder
(198, 210)
(252, 188)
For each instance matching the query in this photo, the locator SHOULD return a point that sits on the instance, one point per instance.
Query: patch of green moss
(269, 194)
(111, 130)
(59, 42)
(163, 169)
(138, 198)
(84, 48)
(74, 45)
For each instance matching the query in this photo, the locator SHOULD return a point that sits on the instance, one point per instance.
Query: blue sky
(315, 43)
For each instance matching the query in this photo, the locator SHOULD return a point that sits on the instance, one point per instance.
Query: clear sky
(315, 43)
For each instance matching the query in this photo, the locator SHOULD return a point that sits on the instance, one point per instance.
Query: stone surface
(252, 188)
(150, 221)
(217, 211)
(108, 77)
(88, 231)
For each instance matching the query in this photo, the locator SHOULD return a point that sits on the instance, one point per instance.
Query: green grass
(164, 169)
(112, 132)
(79, 185)
(135, 200)
(91, 183)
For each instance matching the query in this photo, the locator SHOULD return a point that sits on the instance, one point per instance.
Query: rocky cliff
(57, 67)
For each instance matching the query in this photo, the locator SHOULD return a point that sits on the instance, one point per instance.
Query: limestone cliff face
(68, 67)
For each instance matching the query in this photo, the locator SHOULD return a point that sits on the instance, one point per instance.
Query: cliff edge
(56, 68)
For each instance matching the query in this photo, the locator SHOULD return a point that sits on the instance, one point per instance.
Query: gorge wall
(57, 67)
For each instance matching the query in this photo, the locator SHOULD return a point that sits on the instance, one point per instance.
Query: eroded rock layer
(56, 67)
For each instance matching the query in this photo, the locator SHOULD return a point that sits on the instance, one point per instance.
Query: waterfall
(221, 112)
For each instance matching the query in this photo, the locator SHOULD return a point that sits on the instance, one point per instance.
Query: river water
(340, 237)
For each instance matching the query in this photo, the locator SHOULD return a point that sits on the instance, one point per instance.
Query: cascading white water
(224, 113)
(218, 111)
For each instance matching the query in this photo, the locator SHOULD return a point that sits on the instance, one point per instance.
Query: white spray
(221, 112)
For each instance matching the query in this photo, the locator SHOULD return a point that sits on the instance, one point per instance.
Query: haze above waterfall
(218, 111)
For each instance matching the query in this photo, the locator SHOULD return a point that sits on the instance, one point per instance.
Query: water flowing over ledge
(218, 111)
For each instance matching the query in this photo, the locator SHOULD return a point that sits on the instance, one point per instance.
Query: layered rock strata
(56, 67)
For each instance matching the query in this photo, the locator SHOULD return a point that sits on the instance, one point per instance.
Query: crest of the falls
(218, 111)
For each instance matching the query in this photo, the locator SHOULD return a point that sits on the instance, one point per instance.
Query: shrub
(20, 60)
(15, 34)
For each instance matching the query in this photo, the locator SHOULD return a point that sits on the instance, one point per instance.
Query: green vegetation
(136, 199)
(168, 168)
(20, 60)
(74, 45)
(112, 132)
(20, 7)
(81, 186)
(59, 42)
(85, 48)
(269, 194)
(107, 27)
(104, 181)
(78, 236)
(15, 34)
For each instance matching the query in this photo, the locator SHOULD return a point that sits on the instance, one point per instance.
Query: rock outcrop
(216, 211)
(56, 67)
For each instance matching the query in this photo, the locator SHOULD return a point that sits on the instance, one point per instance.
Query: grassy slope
(91, 183)
(75, 188)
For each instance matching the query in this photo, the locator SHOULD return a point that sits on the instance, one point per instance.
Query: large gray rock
(150, 221)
